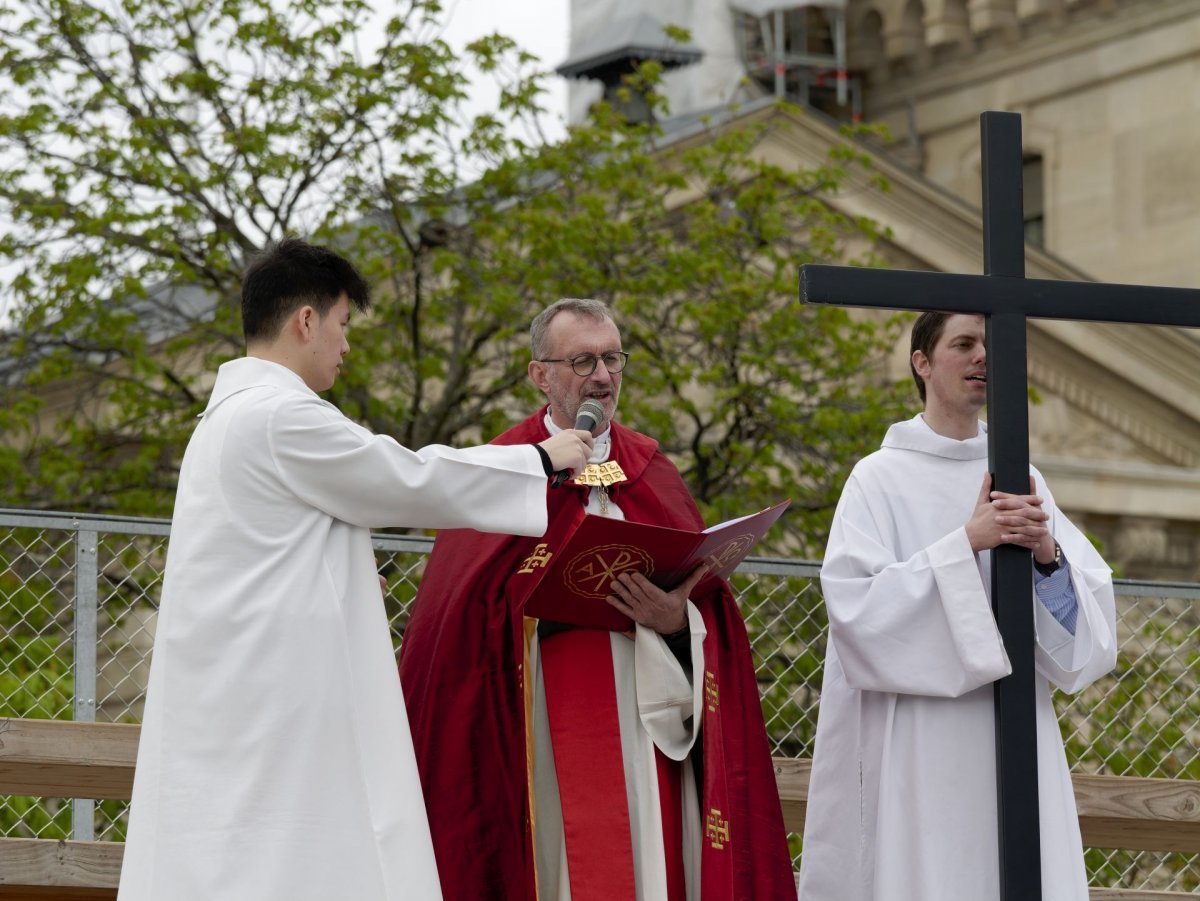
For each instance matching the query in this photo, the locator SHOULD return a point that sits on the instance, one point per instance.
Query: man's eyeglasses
(585, 364)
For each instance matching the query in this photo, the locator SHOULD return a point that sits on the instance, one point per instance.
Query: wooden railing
(54, 758)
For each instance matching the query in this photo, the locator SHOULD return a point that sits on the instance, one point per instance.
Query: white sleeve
(372, 481)
(1072, 662)
(920, 626)
(670, 703)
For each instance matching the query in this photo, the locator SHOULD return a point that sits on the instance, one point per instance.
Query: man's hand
(646, 604)
(569, 449)
(1002, 518)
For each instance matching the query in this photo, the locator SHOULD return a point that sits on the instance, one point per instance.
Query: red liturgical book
(574, 579)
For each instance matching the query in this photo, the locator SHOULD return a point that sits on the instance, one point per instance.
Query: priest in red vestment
(568, 764)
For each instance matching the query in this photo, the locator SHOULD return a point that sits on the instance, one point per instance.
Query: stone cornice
(1123, 488)
(1131, 421)
(1019, 63)
(1162, 362)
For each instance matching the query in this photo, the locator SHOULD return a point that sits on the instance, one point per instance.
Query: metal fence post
(87, 573)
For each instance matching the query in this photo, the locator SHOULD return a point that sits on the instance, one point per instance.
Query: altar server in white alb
(275, 761)
(902, 804)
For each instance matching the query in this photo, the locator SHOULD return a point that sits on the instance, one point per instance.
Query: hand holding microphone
(568, 451)
(590, 415)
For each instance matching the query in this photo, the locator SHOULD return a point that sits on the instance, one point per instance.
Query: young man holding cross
(902, 803)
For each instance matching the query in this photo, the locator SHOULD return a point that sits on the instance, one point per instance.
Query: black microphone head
(589, 415)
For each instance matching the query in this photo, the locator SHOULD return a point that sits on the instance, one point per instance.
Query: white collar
(916, 435)
(252, 372)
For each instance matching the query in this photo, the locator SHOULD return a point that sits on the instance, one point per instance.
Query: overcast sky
(539, 26)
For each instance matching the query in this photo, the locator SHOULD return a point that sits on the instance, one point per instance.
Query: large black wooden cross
(1006, 298)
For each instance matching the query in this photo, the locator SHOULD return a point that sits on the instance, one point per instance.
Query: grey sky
(539, 26)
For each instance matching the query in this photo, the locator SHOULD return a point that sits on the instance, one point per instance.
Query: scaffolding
(797, 50)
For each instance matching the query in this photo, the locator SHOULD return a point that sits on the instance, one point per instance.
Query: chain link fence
(78, 599)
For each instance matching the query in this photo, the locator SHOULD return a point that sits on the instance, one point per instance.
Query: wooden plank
(58, 869)
(66, 759)
(1125, 812)
(62, 759)
(1120, 812)
(1138, 814)
(56, 893)
(54, 758)
(791, 775)
(51, 862)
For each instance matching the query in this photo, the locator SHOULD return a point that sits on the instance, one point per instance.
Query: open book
(576, 579)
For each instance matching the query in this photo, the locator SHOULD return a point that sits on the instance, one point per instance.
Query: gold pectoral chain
(595, 474)
(600, 476)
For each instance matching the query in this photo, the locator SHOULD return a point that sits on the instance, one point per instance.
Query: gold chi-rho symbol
(729, 551)
(716, 829)
(540, 557)
(593, 571)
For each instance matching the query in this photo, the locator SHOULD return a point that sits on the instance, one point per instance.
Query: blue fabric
(1057, 595)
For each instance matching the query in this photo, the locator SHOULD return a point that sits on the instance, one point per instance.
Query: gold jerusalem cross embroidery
(540, 557)
(601, 474)
(710, 690)
(716, 829)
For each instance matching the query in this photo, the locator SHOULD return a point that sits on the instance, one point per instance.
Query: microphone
(590, 415)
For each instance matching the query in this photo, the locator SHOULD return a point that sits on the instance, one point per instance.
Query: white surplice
(658, 704)
(902, 802)
(275, 761)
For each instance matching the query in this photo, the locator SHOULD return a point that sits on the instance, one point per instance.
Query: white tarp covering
(766, 7)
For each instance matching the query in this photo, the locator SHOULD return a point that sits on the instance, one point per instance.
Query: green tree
(150, 147)
(159, 143)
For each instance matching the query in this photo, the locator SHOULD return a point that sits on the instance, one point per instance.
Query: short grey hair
(581, 306)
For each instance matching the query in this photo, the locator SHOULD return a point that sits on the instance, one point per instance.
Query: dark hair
(291, 274)
(925, 334)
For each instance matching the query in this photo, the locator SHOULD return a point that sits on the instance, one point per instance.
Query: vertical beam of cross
(1006, 298)
(1008, 461)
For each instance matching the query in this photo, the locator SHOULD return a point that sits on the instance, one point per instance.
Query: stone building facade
(1109, 93)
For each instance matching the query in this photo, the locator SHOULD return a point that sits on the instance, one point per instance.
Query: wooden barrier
(53, 758)
(1125, 812)
(45, 870)
(58, 759)
(61, 759)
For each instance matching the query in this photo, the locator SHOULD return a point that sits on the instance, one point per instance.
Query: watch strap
(1049, 569)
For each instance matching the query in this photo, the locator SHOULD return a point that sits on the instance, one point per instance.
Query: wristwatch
(1049, 569)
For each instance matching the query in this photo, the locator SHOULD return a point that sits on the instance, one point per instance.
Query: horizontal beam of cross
(990, 294)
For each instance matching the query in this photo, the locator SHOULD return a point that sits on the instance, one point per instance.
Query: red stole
(670, 802)
(581, 709)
